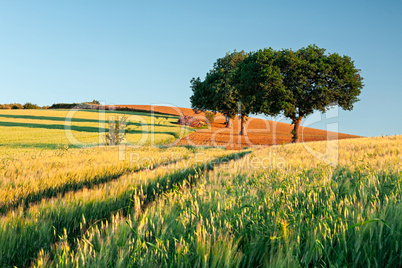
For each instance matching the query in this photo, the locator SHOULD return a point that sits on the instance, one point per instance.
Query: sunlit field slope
(50, 155)
(78, 128)
(278, 206)
(66, 200)
(64, 195)
(44, 153)
(259, 132)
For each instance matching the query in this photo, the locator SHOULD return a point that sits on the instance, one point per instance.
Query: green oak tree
(202, 98)
(260, 84)
(295, 83)
(217, 92)
(316, 81)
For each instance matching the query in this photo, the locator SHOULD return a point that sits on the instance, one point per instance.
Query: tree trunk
(295, 132)
(242, 125)
(229, 123)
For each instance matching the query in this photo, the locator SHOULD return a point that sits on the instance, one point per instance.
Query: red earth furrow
(260, 132)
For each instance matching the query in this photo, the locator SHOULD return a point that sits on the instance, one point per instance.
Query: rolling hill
(260, 132)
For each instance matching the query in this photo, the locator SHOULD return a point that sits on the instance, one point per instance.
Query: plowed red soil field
(259, 132)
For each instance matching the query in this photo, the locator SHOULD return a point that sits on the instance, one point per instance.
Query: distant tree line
(82, 105)
(27, 105)
(274, 82)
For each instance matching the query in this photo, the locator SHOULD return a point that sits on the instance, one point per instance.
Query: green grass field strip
(254, 220)
(43, 224)
(46, 128)
(75, 185)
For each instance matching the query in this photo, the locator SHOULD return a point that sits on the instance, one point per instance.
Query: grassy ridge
(298, 214)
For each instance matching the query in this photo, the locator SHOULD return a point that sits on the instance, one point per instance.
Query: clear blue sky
(146, 52)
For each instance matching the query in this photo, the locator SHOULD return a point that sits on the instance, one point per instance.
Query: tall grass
(29, 177)
(299, 214)
(25, 231)
(37, 161)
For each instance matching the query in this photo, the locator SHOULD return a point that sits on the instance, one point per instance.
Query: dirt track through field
(260, 132)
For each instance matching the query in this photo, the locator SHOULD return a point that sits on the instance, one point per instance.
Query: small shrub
(117, 130)
(16, 106)
(210, 116)
(29, 105)
(190, 121)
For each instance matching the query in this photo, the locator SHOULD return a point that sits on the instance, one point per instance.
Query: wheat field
(83, 204)
(53, 129)
(294, 211)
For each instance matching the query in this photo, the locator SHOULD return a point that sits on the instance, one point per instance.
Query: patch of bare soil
(259, 132)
